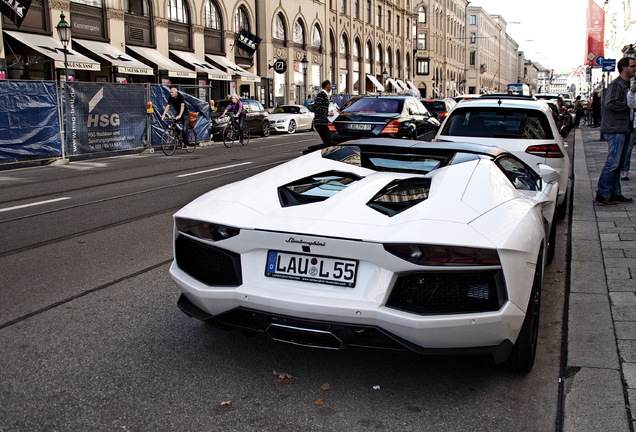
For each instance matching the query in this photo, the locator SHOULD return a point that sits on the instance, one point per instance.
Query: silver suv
(524, 127)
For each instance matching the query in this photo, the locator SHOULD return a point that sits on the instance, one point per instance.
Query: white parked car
(523, 126)
(291, 118)
(382, 243)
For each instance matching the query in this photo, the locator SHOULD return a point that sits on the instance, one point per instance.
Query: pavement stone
(601, 339)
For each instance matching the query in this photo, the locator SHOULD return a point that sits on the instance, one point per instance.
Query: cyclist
(237, 107)
(178, 102)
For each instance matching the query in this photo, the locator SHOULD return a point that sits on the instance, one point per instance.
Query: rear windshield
(435, 106)
(375, 105)
(498, 123)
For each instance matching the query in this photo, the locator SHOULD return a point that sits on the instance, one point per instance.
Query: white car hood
(254, 203)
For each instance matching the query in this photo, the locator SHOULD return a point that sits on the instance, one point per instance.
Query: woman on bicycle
(177, 101)
(237, 107)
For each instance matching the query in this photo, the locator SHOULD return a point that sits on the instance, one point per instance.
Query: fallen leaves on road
(284, 377)
(319, 402)
(226, 403)
(325, 387)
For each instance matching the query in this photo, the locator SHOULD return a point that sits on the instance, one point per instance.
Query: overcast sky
(551, 32)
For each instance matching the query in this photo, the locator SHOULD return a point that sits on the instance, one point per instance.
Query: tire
(168, 143)
(292, 127)
(265, 129)
(521, 358)
(192, 139)
(229, 136)
(246, 137)
(552, 241)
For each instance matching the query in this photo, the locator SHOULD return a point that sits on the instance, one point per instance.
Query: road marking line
(214, 169)
(34, 204)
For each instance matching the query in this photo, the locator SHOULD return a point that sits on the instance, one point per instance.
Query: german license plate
(359, 126)
(311, 268)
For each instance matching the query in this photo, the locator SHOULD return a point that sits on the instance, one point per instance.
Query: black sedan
(256, 118)
(384, 116)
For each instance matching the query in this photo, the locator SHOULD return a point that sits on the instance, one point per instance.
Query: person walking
(320, 107)
(631, 103)
(615, 127)
(578, 110)
(178, 103)
(596, 109)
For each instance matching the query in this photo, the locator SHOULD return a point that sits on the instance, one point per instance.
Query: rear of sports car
(359, 258)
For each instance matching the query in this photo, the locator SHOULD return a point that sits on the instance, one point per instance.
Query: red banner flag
(595, 30)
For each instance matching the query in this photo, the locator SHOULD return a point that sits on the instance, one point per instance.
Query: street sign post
(609, 65)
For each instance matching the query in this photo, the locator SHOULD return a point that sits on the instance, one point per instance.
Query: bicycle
(231, 132)
(171, 139)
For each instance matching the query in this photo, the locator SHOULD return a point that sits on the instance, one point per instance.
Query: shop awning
(54, 50)
(395, 85)
(402, 84)
(410, 84)
(376, 83)
(125, 63)
(200, 64)
(233, 68)
(175, 70)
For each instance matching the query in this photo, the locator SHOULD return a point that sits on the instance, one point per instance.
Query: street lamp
(64, 33)
(385, 75)
(303, 64)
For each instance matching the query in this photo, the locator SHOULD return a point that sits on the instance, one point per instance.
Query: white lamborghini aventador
(385, 243)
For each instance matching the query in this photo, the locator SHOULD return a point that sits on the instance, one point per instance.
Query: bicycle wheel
(229, 136)
(246, 137)
(192, 139)
(168, 142)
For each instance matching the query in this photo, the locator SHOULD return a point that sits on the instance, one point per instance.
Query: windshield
(498, 123)
(286, 110)
(435, 106)
(375, 105)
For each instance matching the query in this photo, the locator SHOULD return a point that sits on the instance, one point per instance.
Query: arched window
(211, 16)
(137, 7)
(357, 66)
(299, 32)
(421, 15)
(344, 45)
(316, 37)
(241, 21)
(280, 32)
(178, 11)
(398, 64)
(138, 22)
(213, 28)
(368, 57)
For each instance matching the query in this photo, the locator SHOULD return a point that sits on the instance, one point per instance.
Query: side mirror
(548, 174)
(565, 131)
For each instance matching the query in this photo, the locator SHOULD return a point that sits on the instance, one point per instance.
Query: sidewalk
(600, 382)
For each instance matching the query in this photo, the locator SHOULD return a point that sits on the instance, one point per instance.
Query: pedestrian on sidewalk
(631, 103)
(578, 110)
(616, 127)
(596, 109)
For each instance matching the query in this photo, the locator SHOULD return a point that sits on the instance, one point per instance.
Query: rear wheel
(265, 129)
(524, 351)
(168, 142)
(562, 209)
(292, 127)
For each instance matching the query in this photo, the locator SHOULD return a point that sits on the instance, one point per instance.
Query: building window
(378, 21)
(421, 41)
(94, 3)
(397, 25)
(211, 17)
(356, 8)
(344, 45)
(421, 15)
(177, 11)
(473, 37)
(299, 33)
(141, 8)
(368, 8)
(473, 20)
(388, 21)
(343, 7)
(316, 37)
(279, 28)
(423, 66)
(472, 58)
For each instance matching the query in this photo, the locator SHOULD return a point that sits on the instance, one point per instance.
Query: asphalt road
(92, 340)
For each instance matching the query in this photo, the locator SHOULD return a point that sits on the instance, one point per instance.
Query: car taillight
(392, 127)
(437, 255)
(205, 230)
(545, 150)
(442, 114)
(331, 127)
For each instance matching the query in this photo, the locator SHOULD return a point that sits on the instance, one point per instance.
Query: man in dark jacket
(178, 103)
(321, 111)
(616, 126)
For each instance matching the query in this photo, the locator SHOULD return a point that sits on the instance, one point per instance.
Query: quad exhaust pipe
(308, 337)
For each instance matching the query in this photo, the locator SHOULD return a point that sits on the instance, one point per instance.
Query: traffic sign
(333, 86)
(599, 60)
(280, 66)
(609, 65)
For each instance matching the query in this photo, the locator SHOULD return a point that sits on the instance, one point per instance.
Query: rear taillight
(442, 114)
(444, 255)
(392, 128)
(545, 150)
(331, 127)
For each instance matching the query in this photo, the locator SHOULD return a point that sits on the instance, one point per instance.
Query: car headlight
(205, 230)
(439, 255)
